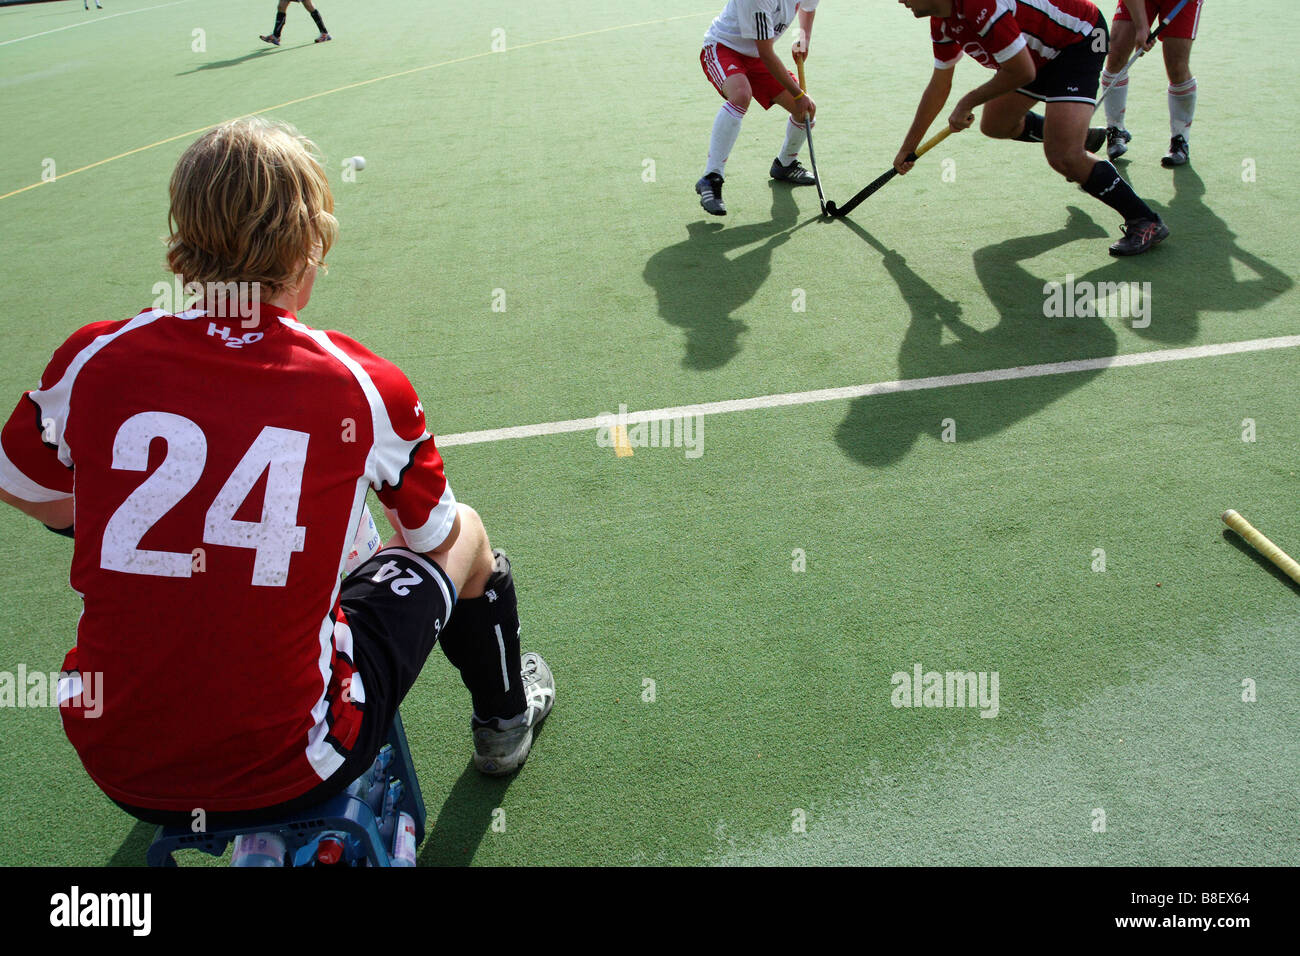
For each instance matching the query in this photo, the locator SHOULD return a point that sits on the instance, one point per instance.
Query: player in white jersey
(1133, 22)
(740, 60)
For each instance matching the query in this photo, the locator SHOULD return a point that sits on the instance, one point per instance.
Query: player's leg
(315, 15)
(1064, 131)
(1010, 116)
(274, 36)
(1123, 40)
(1182, 98)
(512, 692)
(786, 166)
(725, 71)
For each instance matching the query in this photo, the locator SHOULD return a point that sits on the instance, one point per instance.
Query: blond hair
(250, 203)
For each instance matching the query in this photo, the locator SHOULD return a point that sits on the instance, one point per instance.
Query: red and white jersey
(742, 22)
(219, 469)
(993, 31)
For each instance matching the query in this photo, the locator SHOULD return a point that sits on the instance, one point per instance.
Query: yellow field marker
(622, 448)
(1261, 544)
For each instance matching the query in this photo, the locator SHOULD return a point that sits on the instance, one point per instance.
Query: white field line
(83, 23)
(862, 391)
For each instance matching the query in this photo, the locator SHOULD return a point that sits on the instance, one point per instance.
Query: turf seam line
(786, 399)
(349, 86)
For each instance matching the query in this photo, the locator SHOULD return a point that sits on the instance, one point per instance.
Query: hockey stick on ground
(837, 212)
(807, 125)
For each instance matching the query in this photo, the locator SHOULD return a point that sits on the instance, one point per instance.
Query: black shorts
(1075, 75)
(397, 604)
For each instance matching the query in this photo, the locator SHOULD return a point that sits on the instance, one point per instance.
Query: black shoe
(1117, 141)
(794, 174)
(1096, 139)
(1139, 236)
(1179, 153)
(324, 38)
(710, 189)
(270, 38)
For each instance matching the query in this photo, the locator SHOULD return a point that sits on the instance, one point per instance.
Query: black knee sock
(315, 15)
(279, 22)
(1033, 131)
(1106, 184)
(481, 639)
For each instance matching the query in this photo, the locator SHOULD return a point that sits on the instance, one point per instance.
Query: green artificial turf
(526, 171)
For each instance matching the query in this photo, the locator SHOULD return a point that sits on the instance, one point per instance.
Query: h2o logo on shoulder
(233, 341)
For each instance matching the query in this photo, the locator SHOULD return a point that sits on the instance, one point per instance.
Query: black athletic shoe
(1096, 139)
(270, 38)
(710, 189)
(1179, 153)
(1117, 141)
(794, 174)
(1140, 235)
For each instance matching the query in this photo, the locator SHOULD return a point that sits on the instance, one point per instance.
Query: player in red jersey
(281, 9)
(1136, 19)
(218, 460)
(1046, 51)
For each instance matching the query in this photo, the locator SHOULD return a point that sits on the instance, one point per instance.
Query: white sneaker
(501, 747)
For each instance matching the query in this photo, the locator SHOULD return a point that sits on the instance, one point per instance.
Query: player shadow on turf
(700, 287)
(1193, 271)
(466, 815)
(235, 61)
(134, 846)
(879, 430)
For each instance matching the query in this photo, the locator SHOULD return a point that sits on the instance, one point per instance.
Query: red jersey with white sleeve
(993, 31)
(219, 470)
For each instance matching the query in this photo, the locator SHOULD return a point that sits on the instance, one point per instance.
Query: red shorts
(720, 61)
(1184, 25)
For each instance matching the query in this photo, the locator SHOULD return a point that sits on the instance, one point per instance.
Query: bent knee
(741, 99)
(1069, 163)
(998, 129)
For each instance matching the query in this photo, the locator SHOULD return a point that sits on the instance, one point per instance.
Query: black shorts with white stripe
(1074, 76)
(397, 604)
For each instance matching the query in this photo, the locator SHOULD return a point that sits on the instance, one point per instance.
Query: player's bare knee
(1069, 163)
(740, 99)
(995, 128)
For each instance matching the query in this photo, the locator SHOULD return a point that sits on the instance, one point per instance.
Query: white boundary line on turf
(83, 23)
(878, 388)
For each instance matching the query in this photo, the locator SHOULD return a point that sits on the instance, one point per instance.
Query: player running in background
(1134, 19)
(1042, 51)
(740, 60)
(219, 460)
(274, 36)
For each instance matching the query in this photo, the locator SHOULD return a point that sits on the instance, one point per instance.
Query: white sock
(1182, 107)
(726, 130)
(1116, 100)
(795, 137)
